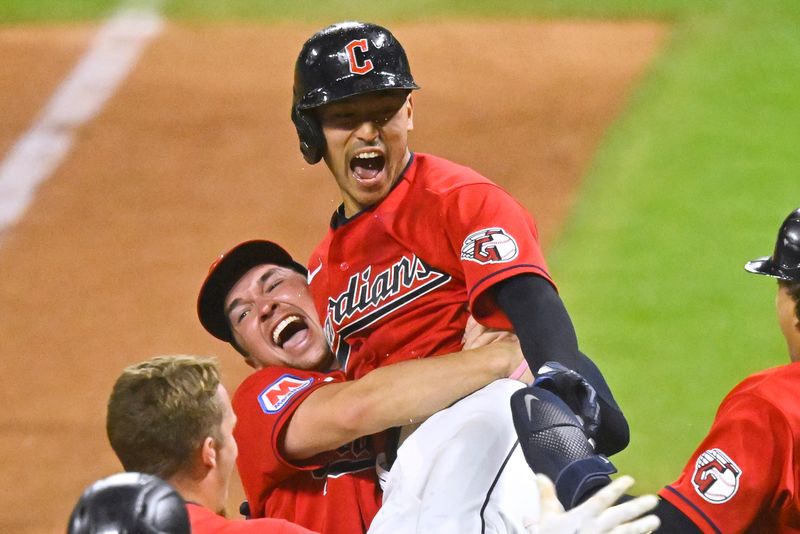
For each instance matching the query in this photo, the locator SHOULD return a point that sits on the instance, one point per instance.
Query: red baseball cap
(226, 271)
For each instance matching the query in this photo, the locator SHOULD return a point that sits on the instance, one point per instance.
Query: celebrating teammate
(744, 476)
(255, 297)
(420, 243)
(303, 432)
(171, 417)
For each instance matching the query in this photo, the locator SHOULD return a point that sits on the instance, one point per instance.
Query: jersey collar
(339, 219)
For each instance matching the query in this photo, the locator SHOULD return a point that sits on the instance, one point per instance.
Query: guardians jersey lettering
(369, 299)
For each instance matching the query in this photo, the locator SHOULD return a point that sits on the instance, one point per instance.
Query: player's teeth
(367, 155)
(276, 334)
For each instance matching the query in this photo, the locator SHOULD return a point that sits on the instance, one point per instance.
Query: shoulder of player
(440, 176)
(204, 520)
(263, 379)
(769, 381)
(769, 391)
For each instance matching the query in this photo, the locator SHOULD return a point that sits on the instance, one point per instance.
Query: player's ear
(208, 452)
(410, 111)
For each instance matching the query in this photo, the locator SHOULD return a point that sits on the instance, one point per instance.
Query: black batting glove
(555, 443)
(575, 391)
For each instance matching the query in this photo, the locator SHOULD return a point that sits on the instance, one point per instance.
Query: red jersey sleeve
(264, 404)
(496, 239)
(740, 469)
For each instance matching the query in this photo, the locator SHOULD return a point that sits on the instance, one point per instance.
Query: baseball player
(171, 417)
(419, 243)
(744, 476)
(303, 431)
(129, 502)
(290, 412)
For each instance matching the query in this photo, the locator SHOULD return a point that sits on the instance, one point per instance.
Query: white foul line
(38, 153)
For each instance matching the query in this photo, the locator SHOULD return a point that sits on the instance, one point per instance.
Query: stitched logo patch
(716, 476)
(490, 245)
(276, 395)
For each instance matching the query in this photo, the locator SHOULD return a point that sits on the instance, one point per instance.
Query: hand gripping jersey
(745, 475)
(421, 260)
(333, 493)
(204, 521)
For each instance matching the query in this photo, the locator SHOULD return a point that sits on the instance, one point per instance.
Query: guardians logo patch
(490, 245)
(716, 476)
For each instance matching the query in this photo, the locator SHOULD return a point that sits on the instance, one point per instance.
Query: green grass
(324, 11)
(691, 182)
(48, 11)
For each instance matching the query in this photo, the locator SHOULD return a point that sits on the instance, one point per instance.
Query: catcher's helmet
(130, 503)
(785, 261)
(343, 60)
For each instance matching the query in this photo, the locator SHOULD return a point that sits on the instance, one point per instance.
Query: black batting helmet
(343, 60)
(130, 503)
(785, 261)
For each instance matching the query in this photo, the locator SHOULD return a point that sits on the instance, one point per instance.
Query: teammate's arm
(394, 395)
(673, 521)
(546, 333)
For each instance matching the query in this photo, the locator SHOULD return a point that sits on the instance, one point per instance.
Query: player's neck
(197, 492)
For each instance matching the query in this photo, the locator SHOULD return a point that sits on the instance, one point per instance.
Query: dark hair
(235, 344)
(794, 290)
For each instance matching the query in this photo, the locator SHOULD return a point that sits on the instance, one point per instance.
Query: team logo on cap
(490, 245)
(277, 394)
(716, 476)
(356, 66)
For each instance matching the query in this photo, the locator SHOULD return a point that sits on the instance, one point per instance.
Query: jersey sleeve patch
(276, 395)
(490, 245)
(716, 476)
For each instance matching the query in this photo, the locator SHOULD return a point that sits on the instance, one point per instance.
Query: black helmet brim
(784, 264)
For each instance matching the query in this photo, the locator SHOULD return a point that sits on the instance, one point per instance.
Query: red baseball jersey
(333, 493)
(204, 521)
(745, 475)
(420, 260)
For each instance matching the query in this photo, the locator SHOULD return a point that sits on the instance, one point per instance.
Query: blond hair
(160, 412)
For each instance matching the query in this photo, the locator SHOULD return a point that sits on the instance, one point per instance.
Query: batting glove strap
(574, 390)
(582, 478)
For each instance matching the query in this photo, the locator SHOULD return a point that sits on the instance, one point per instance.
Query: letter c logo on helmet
(341, 61)
(362, 45)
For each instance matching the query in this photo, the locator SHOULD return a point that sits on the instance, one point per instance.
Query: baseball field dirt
(195, 153)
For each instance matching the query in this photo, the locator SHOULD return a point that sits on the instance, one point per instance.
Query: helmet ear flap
(312, 141)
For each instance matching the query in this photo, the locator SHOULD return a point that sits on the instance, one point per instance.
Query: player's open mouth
(367, 165)
(289, 328)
